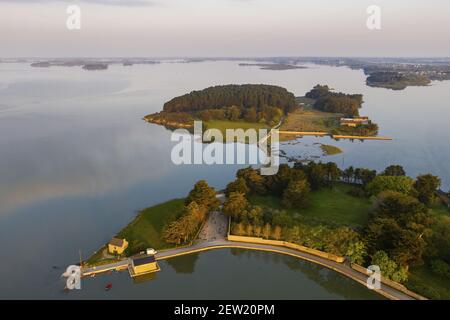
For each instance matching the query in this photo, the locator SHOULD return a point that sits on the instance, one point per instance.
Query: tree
(333, 173)
(337, 241)
(234, 113)
(348, 174)
(174, 233)
(277, 183)
(234, 205)
(394, 170)
(266, 231)
(439, 243)
(366, 176)
(399, 184)
(249, 230)
(426, 186)
(180, 230)
(440, 267)
(255, 215)
(316, 174)
(356, 252)
(257, 231)
(250, 115)
(239, 229)
(400, 226)
(255, 182)
(296, 194)
(389, 269)
(203, 195)
(276, 233)
(238, 185)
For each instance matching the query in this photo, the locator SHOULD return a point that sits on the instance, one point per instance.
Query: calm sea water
(77, 163)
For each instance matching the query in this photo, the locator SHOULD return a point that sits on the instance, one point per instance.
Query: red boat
(108, 287)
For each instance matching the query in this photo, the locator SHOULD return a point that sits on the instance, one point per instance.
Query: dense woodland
(335, 102)
(249, 102)
(401, 231)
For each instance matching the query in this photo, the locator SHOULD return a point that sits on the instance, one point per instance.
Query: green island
(330, 150)
(396, 80)
(261, 106)
(370, 218)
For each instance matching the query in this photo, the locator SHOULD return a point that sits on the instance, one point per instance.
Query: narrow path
(343, 269)
(122, 264)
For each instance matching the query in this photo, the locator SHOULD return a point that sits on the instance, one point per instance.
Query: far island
(272, 66)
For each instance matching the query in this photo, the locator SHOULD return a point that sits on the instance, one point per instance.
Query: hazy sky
(224, 28)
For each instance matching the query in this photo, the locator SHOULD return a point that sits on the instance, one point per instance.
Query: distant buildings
(117, 246)
(355, 121)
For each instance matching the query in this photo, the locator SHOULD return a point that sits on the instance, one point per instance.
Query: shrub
(440, 267)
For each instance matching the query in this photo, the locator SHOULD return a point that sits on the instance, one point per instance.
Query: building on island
(117, 246)
(355, 121)
(142, 264)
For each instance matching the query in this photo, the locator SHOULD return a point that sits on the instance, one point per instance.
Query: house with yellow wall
(143, 264)
(117, 246)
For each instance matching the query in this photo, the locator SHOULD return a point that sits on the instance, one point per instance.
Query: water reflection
(229, 274)
(184, 264)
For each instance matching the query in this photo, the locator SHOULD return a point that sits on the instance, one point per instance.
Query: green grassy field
(423, 281)
(222, 125)
(309, 119)
(329, 205)
(145, 231)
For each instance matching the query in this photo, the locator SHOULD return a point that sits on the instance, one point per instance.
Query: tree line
(249, 102)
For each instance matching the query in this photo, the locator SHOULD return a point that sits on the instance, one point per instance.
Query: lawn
(328, 205)
(423, 281)
(145, 231)
(308, 119)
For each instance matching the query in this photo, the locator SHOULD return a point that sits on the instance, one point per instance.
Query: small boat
(108, 287)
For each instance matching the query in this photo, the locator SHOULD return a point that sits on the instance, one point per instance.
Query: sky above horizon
(223, 28)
